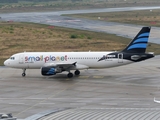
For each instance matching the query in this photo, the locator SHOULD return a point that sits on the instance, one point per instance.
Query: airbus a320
(52, 63)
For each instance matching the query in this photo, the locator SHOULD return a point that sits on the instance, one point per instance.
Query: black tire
(23, 74)
(77, 72)
(70, 75)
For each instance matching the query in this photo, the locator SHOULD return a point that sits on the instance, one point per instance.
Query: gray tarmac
(131, 87)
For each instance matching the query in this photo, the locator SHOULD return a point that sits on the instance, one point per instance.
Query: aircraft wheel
(70, 75)
(77, 72)
(23, 74)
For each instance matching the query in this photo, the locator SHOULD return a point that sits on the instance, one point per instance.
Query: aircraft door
(120, 58)
(21, 58)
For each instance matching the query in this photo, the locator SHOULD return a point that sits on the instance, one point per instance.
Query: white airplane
(52, 63)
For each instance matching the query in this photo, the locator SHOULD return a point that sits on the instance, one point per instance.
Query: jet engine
(47, 71)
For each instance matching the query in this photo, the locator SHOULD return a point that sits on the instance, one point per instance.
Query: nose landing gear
(24, 73)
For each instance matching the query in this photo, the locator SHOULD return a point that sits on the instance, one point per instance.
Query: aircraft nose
(6, 63)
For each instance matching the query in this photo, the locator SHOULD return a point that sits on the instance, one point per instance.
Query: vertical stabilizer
(139, 43)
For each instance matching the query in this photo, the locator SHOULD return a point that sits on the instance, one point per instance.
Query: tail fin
(139, 43)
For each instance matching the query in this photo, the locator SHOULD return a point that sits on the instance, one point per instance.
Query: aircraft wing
(66, 65)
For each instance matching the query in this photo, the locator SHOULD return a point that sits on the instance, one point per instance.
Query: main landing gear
(70, 75)
(24, 73)
(77, 72)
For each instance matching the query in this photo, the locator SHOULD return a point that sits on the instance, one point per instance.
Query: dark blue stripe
(142, 45)
(141, 40)
(144, 34)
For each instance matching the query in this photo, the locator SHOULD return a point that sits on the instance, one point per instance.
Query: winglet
(74, 63)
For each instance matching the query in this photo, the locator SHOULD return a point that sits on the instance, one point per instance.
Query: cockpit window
(12, 58)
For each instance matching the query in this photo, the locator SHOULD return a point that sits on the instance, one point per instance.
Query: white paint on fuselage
(36, 60)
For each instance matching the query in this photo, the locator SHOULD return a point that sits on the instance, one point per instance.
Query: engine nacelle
(47, 71)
